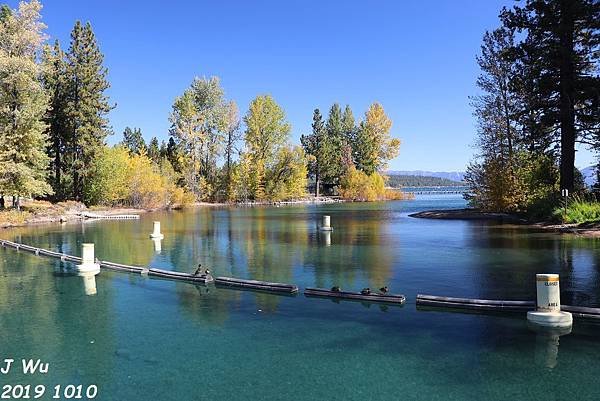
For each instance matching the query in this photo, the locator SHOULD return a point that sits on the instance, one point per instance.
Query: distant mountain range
(448, 175)
(589, 174)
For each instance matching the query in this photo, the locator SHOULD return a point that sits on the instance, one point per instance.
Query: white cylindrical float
(326, 225)
(88, 262)
(156, 231)
(548, 311)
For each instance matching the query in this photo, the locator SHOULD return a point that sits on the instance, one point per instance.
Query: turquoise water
(141, 339)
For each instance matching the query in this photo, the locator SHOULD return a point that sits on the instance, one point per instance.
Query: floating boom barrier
(397, 299)
(423, 301)
(88, 215)
(151, 272)
(256, 285)
(486, 305)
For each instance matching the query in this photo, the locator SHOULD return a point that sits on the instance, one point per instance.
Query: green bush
(579, 210)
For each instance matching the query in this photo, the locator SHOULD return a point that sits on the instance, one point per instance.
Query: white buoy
(88, 262)
(548, 311)
(156, 231)
(326, 226)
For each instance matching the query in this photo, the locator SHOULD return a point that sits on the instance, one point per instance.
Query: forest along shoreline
(42, 212)
(581, 229)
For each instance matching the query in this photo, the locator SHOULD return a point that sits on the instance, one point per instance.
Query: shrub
(120, 178)
(356, 185)
(13, 217)
(579, 210)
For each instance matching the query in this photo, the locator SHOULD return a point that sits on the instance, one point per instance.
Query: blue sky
(417, 58)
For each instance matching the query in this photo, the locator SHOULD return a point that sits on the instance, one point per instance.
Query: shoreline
(591, 230)
(70, 211)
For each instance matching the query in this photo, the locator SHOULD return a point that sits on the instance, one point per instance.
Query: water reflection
(157, 245)
(504, 261)
(65, 269)
(546, 344)
(46, 314)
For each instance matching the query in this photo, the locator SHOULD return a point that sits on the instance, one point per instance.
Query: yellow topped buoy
(548, 311)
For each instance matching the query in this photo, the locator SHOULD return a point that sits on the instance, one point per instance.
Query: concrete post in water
(326, 226)
(327, 238)
(156, 231)
(88, 262)
(548, 311)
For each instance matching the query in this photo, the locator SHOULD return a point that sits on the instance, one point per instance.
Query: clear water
(142, 339)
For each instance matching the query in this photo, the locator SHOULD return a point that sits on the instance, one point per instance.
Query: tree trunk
(57, 168)
(2, 204)
(567, 109)
(317, 184)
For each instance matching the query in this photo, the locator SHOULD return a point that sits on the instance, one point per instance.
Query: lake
(140, 339)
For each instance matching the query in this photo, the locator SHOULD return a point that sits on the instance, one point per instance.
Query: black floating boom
(432, 301)
(357, 296)
(256, 285)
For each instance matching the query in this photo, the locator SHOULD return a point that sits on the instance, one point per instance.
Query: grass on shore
(579, 210)
(13, 217)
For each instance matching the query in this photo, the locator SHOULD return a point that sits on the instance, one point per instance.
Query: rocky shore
(583, 229)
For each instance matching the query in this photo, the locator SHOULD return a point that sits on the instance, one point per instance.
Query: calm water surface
(141, 339)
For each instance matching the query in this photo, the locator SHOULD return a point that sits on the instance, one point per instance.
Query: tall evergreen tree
(153, 150)
(173, 154)
(348, 127)
(495, 178)
(561, 48)
(23, 102)
(134, 141)
(56, 85)
(87, 104)
(319, 148)
(334, 138)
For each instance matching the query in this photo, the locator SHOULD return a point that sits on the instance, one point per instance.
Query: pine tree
(315, 145)
(334, 138)
(153, 150)
(87, 104)
(173, 155)
(494, 178)
(23, 102)
(56, 85)
(134, 141)
(348, 127)
(561, 55)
